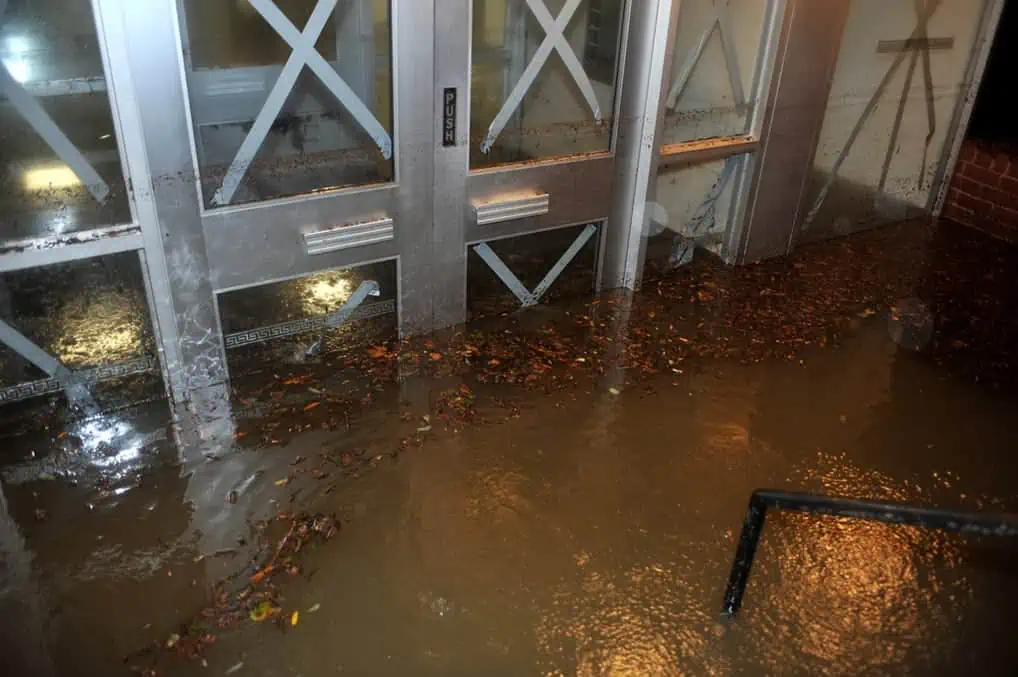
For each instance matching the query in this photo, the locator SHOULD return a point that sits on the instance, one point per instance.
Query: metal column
(807, 55)
(648, 55)
(150, 103)
(452, 72)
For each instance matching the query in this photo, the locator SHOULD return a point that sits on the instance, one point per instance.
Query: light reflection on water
(595, 539)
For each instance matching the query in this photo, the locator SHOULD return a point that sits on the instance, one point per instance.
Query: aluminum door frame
(263, 242)
(651, 68)
(131, 236)
(580, 187)
(195, 253)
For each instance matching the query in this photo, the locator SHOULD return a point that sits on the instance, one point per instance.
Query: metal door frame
(652, 69)
(564, 191)
(98, 241)
(206, 252)
(190, 254)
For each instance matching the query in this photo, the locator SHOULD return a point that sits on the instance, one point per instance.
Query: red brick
(954, 212)
(1013, 169)
(1009, 185)
(998, 197)
(966, 185)
(968, 152)
(984, 176)
(982, 159)
(1006, 216)
(1001, 163)
(974, 204)
(965, 168)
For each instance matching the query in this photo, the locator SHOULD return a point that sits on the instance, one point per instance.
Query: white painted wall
(705, 108)
(860, 69)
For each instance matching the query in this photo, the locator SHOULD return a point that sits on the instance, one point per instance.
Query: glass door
(75, 314)
(523, 189)
(310, 131)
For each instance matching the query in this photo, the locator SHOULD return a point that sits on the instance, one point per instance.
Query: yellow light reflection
(325, 294)
(85, 344)
(47, 178)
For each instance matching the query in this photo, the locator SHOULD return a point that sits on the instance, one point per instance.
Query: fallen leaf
(312, 405)
(377, 352)
(259, 576)
(283, 482)
(314, 608)
(613, 391)
(294, 617)
(262, 611)
(435, 357)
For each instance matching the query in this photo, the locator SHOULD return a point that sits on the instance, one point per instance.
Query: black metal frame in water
(895, 513)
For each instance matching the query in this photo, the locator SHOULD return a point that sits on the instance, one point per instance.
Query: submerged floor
(558, 493)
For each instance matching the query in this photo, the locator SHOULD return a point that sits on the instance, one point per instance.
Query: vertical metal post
(771, 44)
(452, 71)
(416, 126)
(752, 527)
(807, 55)
(25, 645)
(146, 83)
(648, 60)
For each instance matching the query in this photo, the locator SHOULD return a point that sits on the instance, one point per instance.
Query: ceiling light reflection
(325, 294)
(19, 69)
(48, 178)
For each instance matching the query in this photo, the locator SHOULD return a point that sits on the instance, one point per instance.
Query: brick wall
(984, 189)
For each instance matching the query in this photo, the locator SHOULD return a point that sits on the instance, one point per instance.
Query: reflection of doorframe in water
(16, 567)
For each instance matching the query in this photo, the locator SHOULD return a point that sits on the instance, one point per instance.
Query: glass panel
(693, 209)
(530, 258)
(284, 319)
(87, 314)
(712, 92)
(60, 170)
(886, 172)
(551, 115)
(313, 134)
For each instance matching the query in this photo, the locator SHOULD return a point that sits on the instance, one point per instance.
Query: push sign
(449, 117)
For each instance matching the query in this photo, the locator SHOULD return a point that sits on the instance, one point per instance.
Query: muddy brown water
(587, 524)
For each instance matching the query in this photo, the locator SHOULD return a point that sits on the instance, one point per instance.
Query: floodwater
(556, 493)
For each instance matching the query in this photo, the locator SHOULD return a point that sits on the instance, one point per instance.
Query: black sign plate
(449, 117)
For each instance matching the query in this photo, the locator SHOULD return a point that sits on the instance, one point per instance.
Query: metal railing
(892, 513)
